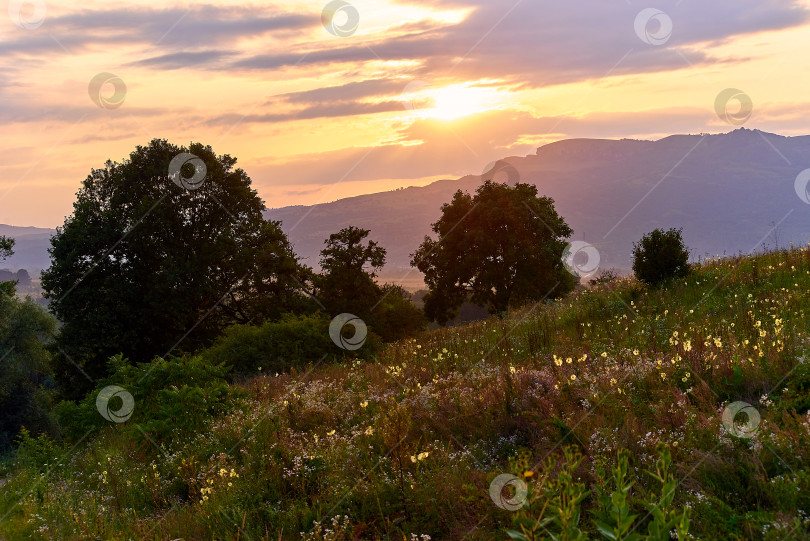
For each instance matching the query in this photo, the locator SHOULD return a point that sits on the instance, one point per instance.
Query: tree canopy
(499, 248)
(161, 253)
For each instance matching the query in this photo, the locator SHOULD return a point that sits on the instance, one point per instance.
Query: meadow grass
(560, 394)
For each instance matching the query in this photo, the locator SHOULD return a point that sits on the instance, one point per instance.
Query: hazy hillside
(724, 190)
(30, 249)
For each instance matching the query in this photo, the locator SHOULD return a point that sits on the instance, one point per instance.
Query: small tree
(396, 317)
(349, 266)
(660, 255)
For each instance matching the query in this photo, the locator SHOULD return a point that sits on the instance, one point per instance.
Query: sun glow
(450, 102)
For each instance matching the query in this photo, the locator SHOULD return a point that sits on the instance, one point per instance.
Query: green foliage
(664, 516)
(659, 256)
(501, 247)
(25, 368)
(173, 398)
(396, 317)
(274, 346)
(614, 519)
(143, 266)
(555, 505)
(37, 452)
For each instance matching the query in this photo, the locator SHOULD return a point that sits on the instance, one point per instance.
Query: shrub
(275, 346)
(172, 397)
(396, 317)
(659, 256)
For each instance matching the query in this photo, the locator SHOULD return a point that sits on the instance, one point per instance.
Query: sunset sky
(415, 91)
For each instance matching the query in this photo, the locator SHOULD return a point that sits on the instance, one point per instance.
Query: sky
(325, 100)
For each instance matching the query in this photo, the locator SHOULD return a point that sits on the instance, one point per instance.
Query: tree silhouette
(500, 248)
(349, 266)
(659, 256)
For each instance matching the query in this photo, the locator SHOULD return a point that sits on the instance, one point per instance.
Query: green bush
(396, 317)
(172, 397)
(275, 346)
(659, 256)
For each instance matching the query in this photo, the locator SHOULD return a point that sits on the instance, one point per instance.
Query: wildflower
(364, 404)
(330, 433)
(573, 377)
(369, 431)
(528, 473)
(635, 352)
(557, 361)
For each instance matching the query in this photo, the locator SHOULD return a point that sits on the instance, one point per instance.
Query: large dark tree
(349, 264)
(500, 248)
(150, 262)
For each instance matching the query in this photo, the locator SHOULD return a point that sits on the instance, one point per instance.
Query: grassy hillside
(406, 447)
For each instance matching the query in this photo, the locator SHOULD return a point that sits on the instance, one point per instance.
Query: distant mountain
(30, 248)
(727, 191)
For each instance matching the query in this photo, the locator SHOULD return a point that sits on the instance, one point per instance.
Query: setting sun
(452, 102)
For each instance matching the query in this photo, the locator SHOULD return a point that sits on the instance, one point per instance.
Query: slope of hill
(727, 191)
(30, 248)
(409, 445)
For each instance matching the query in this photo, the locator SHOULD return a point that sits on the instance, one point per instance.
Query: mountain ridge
(731, 193)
